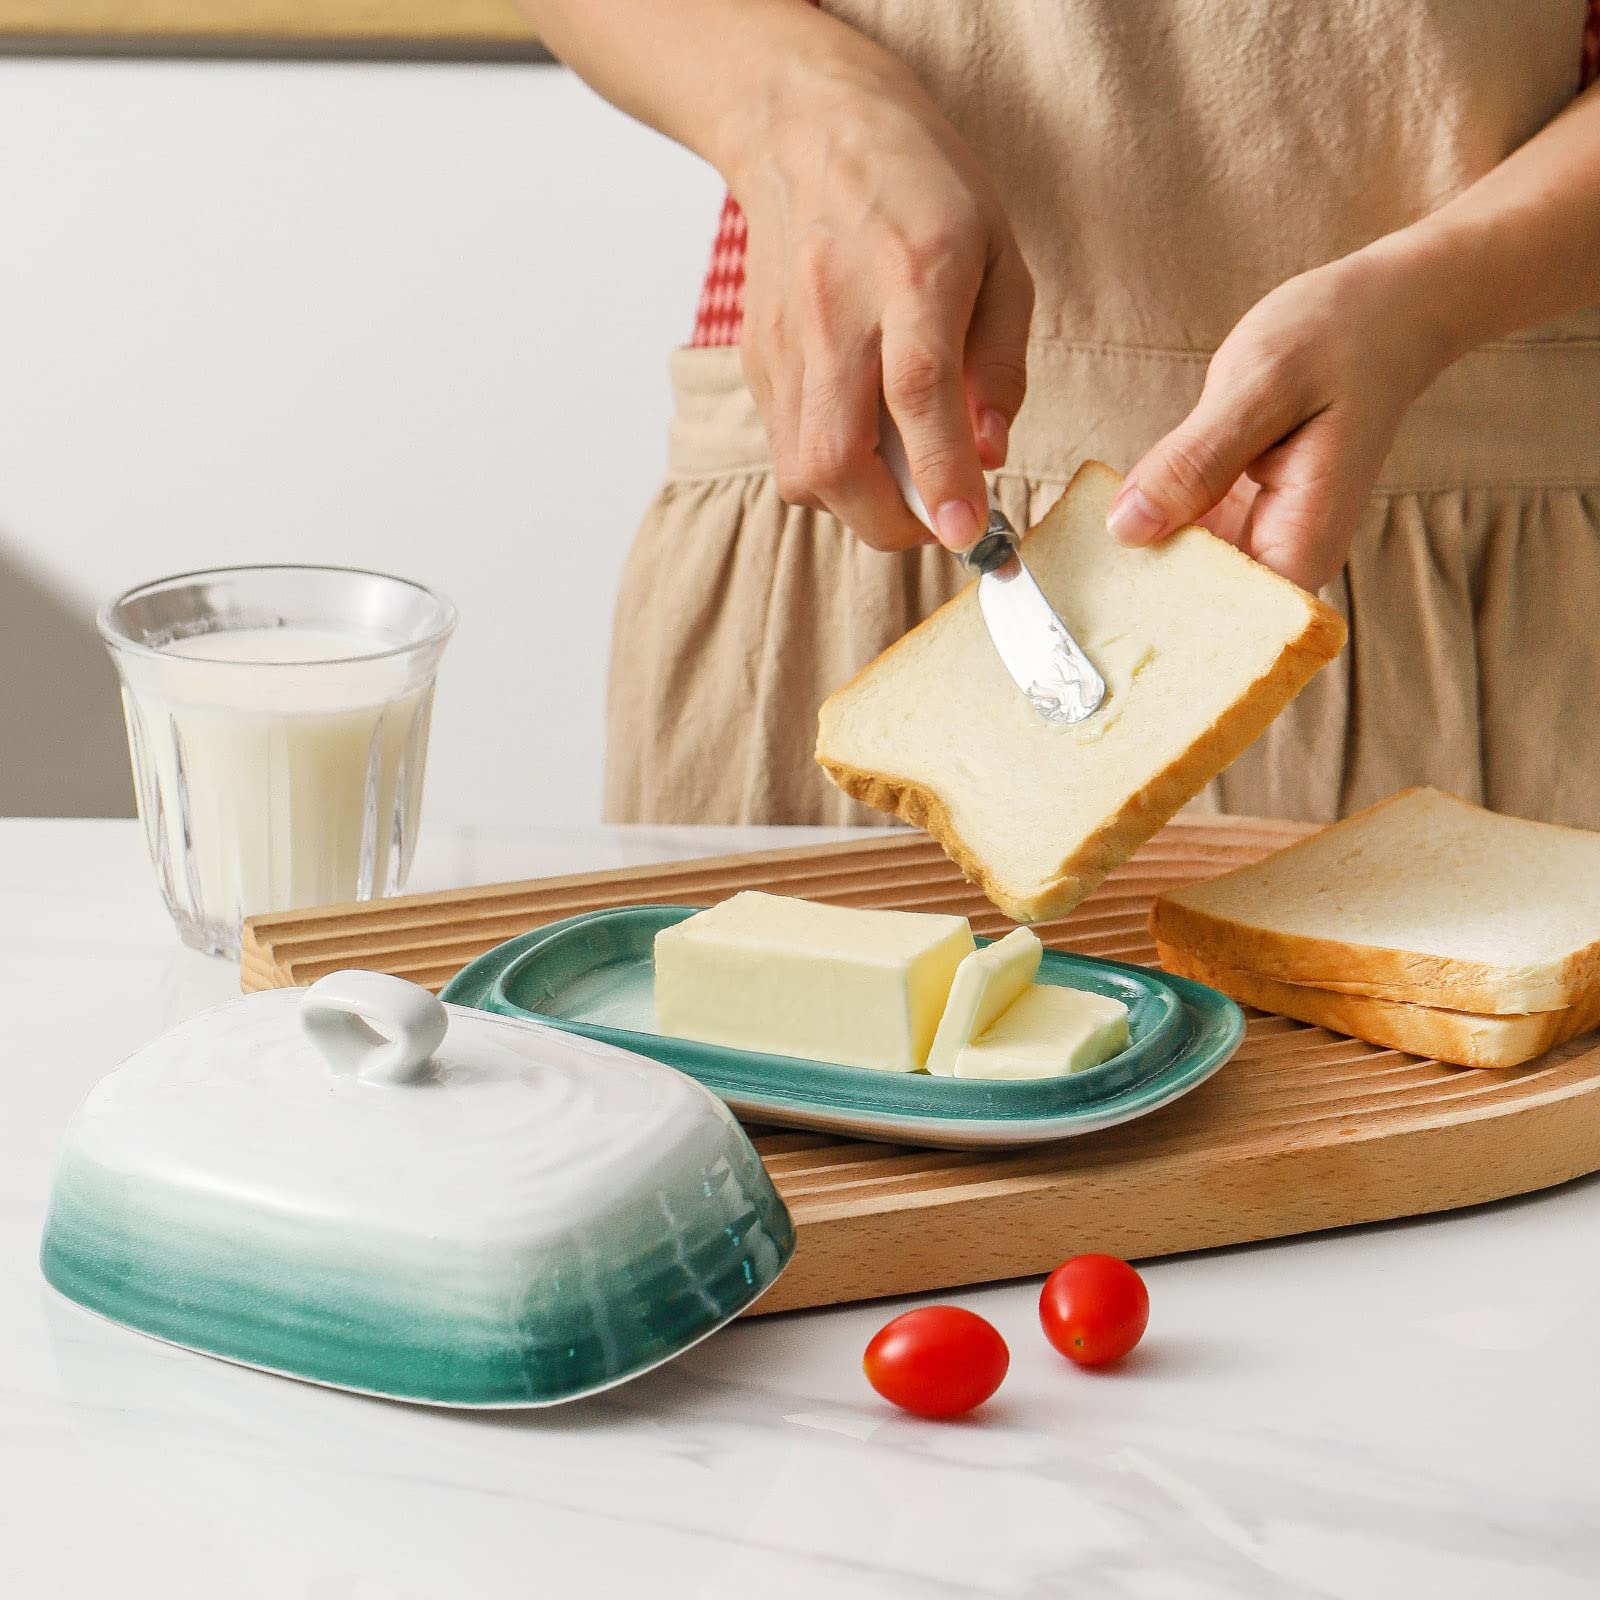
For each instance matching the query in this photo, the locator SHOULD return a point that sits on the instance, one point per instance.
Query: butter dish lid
(358, 1185)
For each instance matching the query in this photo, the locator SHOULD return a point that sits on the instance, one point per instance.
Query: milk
(275, 768)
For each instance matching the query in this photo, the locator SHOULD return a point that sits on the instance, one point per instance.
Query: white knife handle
(989, 549)
(893, 450)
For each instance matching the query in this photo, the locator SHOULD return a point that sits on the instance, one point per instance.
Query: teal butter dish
(593, 976)
(358, 1186)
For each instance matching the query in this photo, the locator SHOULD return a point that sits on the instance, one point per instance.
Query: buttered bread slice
(1200, 646)
(1421, 898)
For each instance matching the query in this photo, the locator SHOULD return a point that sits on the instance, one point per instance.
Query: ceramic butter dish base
(593, 976)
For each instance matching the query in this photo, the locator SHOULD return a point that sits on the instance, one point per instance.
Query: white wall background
(411, 317)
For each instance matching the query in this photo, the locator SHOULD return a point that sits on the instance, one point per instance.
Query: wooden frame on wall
(485, 30)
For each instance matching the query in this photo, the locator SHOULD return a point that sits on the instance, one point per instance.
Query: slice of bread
(1465, 1038)
(1200, 646)
(1423, 898)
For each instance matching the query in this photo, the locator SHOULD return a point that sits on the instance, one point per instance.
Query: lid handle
(382, 1029)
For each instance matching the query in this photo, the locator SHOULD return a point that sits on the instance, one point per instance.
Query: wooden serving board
(1303, 1130)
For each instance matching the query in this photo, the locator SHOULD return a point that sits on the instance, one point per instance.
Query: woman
(1320, 271)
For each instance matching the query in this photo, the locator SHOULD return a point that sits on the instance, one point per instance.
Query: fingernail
(993, 432)
(956, 523)
(1132, 517)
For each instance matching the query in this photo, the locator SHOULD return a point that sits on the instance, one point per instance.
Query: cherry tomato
(937, 1361)
(1094, 1309)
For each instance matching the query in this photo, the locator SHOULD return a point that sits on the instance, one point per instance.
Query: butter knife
(1045, 662)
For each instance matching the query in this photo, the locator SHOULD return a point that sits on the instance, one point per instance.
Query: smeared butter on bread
(1200, 647)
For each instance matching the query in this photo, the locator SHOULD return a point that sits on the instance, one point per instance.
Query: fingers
(937, 334)
(1314, 488)
(1284, 535)
(997, 353)
(924, 386)
(823, 417)
(837, 458)
(773, 372)
(1229, 517)
(1185, 476)
(1280, 454)
(1283, 480)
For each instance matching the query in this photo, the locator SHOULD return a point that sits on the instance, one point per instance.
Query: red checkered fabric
(721, 314)
(720, 318)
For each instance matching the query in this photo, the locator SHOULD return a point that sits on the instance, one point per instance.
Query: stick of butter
(986, 983)
(794, 978)
(1047, 1033)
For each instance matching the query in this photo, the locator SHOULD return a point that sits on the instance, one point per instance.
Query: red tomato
(937, 1361)
(1094, 1309)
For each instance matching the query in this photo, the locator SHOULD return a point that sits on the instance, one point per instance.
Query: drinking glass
(278, 729)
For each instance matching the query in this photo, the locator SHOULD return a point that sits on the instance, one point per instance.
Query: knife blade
(1042, 658)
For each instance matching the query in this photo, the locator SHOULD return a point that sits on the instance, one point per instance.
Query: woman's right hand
(879, 260)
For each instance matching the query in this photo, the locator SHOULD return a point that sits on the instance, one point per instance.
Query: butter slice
(1047, 1033)
(794, 978)
(986, 983)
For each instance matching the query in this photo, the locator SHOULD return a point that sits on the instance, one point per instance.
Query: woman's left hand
(1300, 406)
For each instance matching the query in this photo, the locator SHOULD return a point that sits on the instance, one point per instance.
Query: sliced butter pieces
(1047, 1032)
(998, 1023)
(792, 977)
(894, 990)
(986, 983)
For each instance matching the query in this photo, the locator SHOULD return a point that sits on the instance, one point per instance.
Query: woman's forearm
(707, 73)
(1520, 246)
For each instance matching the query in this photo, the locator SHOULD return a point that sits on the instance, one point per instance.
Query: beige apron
(1164, 166)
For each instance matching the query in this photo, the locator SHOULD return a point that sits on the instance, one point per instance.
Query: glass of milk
(278, 727)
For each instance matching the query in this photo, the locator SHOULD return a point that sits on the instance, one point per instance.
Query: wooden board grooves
(1305, 1129)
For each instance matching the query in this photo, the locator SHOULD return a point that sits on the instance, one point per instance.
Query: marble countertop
(1408, 1410)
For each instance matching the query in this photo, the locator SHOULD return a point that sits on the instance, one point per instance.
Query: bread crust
(1375, 971)
(1145, 813)
(1465, 1039)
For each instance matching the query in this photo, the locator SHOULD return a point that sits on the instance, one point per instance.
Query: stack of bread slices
(1423, 923)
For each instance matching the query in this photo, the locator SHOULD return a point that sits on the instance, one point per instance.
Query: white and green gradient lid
(357, 1185)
